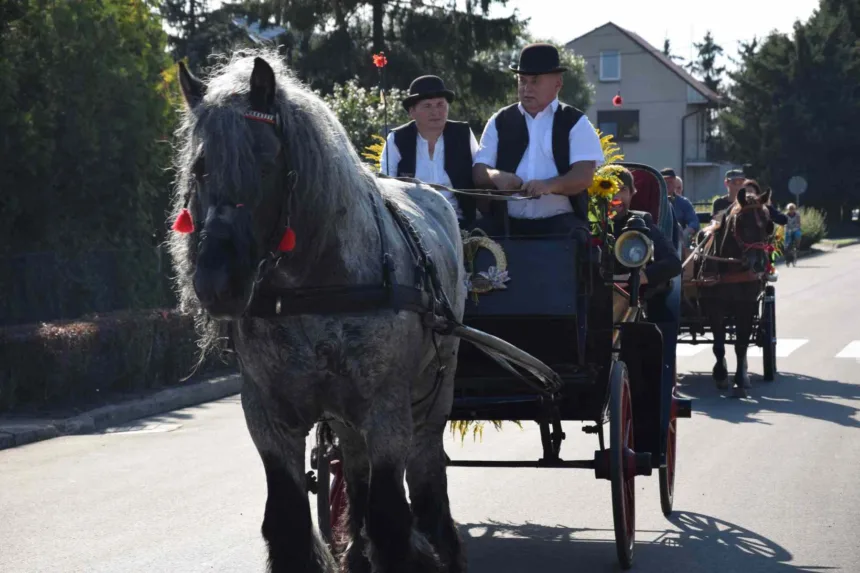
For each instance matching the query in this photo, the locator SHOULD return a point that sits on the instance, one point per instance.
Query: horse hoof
(722, 384)
(740, 392)
(744, 382)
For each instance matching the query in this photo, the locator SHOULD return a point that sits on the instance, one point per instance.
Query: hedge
(79, 364)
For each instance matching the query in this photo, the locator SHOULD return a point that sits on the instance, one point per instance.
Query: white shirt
(427, 169)
(538, 161)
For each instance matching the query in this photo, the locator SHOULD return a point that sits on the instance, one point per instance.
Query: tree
(84, 123)
(667, 51)
(196, 31)
(331, 43)
(794, 106)
(705, 64)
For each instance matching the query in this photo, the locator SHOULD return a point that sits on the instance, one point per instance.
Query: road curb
(18, 434)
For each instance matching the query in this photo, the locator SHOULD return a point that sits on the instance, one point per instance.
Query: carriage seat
(647, 197)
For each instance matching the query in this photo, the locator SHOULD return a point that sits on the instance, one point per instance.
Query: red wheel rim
(629, 463)
(338, 496)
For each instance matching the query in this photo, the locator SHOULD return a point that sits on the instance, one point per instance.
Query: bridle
(761, 217)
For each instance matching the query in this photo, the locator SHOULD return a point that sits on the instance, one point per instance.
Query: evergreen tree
(667, 51)
(705, 64)
(195, 31)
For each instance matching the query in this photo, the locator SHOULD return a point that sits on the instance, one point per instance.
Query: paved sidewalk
(17, 431)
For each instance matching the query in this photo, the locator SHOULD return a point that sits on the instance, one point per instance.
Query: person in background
(792, 226)
(431, 147)
(685, 213)
(734, 181)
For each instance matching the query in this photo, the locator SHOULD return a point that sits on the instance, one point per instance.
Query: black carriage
(569, 303)
(694, 325)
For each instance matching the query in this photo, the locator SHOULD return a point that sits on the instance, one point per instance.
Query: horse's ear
(765, 197)
(742, 196)
(192, 88)
(262, 94)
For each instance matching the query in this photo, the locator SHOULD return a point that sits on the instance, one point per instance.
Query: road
(765, 485)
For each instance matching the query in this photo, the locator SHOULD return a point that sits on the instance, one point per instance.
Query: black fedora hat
(426, 87)
(537, 59)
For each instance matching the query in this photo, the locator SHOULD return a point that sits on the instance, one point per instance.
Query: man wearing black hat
(432, 148)
(542, 147)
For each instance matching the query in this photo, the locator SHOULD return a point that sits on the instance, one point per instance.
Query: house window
(610, 66)
(622, 124)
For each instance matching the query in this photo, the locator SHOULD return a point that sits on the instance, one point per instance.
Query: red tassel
(288, 241)
(183, 223)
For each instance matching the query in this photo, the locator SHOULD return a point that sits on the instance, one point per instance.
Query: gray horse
(282, 208)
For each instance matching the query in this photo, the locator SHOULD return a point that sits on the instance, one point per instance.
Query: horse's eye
(199, 168)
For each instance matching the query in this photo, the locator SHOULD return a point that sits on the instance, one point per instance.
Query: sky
(683, 21)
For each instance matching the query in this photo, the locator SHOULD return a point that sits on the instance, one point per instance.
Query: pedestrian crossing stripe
(784, 348)
(850, 351)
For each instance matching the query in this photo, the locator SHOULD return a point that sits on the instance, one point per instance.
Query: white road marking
(784, 347)
(687, 350)
(850, 351)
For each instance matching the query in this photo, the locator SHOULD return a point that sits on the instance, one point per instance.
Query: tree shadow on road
(790, 393)
(696, 544)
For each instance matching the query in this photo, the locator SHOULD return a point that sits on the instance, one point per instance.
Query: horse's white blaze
(784, 347)
(850, 351)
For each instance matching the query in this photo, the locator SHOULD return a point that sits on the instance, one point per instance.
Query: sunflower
(603, 186)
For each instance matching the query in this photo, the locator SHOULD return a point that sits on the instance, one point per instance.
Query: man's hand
(505, 181)
(538, 187)
(643, 278)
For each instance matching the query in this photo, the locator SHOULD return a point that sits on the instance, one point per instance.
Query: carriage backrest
(647, 197)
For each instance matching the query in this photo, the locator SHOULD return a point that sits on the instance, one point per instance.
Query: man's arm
(690, 217)
(667, 262)
(484, 173)
(586, 154)
(776, 216)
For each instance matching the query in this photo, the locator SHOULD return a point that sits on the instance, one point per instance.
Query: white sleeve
(584, 143)
(473, 143)
(392, 154)
(486, 153)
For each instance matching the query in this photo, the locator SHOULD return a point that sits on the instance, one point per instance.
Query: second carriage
(605, 355)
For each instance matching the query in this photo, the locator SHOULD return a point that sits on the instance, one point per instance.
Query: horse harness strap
(425, 296)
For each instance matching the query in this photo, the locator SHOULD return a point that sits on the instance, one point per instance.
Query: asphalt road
(764, 485)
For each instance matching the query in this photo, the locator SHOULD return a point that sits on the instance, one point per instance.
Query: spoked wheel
(622, 464)
(667, 473)
(768, 333)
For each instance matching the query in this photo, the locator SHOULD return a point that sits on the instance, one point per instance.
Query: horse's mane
(330, 175)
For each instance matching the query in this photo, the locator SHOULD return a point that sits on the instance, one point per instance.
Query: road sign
(797, 185)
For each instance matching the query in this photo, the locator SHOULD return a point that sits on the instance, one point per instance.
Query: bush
(361, 112)
(813, 225)
(74, 364)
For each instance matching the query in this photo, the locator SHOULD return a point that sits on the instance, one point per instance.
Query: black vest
(458, 158)
(514, 139)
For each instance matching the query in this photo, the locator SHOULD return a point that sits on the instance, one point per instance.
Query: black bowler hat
(426, 87)
(537, 59)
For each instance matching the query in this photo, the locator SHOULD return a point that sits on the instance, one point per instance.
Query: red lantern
(617, 101)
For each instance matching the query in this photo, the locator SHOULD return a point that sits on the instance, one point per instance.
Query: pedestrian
(685, 213)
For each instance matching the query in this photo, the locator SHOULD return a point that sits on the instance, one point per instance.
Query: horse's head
(750, 226)
(235, 183)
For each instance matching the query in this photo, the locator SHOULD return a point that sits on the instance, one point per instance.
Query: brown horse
(739, 260)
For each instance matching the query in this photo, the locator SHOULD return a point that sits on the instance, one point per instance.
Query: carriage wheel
(622, 466)
(768, 326)
(667, 473)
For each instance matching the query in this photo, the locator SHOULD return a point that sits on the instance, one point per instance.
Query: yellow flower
(603, 186)
(374, 152)
(611, 151)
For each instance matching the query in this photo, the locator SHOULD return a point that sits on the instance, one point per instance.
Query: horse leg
(718, 331)
(744, 334)
(294, 546)
(426, 475)
(394, 546)
(349, 533)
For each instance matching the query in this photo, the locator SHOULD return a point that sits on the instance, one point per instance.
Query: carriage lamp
(633, 247)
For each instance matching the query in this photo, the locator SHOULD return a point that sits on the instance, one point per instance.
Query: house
(661, 120)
